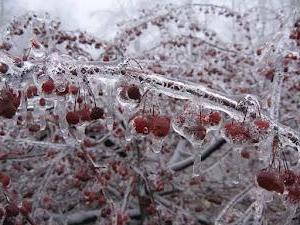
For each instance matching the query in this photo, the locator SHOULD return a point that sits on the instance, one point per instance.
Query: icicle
(157, 145)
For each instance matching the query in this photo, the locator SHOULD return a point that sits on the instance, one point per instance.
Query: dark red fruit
(9, 102)
(133, 92)
(11, 210)
(72, 118)
(31, 91)
(288, 177)
(214, 118)
(141, 125)
(262, 125)
(26, 207)
(73, 89)
(245, 154)
(3, 67)
(160, 126)
(85, 114)
(294, 194)
(270, 181)
(97, 113)
(237, 131)
(48, 86)
(198, 131)
(34, 127)
(42, 102)
(4, 179)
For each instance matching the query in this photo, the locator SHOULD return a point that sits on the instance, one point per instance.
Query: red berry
(12, 210)
(85, 114)
(237, 131)
(288, 177)
(4, 179)
(3, 67)
(79, 99)
(269, 180)
(141, 125)
(198, 131)
(133, 92)
(262, 125)
(160, 126)
(42, 102)
(72, 118)
(34, 127)
(105, 58)
(245, 154)
(48, 86)
(8, 111)
(31, 91)
(97, 113)
(82, 175)
(294, 194)
(73, 89)
(214, 118)
(26, 207)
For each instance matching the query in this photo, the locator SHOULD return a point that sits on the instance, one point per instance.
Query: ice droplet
(128, 135)
(110, 123)
(156, 145)
(197, 166)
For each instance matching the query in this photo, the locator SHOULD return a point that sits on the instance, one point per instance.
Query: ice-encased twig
(233, 201)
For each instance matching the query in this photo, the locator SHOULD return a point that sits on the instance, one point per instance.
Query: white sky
(94, 16)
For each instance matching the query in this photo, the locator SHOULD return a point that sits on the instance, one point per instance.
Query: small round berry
(269, 180)
(237, 131)
(73, 89)
(214, 118)
(31, 91)
(3, 67)
(8, 111)
(198, 132)
(97, 113)
(26, 207)
(72, 118)
(160, 126)
(293, 194)
(11, 210)
(133, 92)
(288, 177)
(34, 127)
(85, 114)
(48, 86)
(4, 179)
(42, 102)
(141, 125)
(79, 99)
(262, 125)
(245, 154)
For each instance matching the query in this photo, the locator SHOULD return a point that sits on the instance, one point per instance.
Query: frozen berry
(133, 92)
(73, 89)
(262, 125)
(72, 118)
(269, 180)
(85, 114)
(11, 210)
(3, 67)
(214, 118)
(97, 113)
(141, 125)
(4, 179)
(42, 102)
(160, 126)
(48, 86)
(26, 207)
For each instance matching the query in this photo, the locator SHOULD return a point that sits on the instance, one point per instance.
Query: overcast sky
(100, 16)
